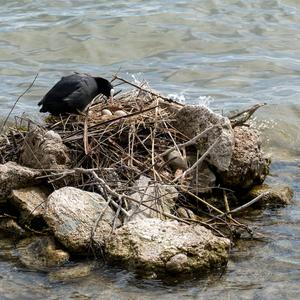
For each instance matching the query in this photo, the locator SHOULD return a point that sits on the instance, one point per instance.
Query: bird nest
(132, 135)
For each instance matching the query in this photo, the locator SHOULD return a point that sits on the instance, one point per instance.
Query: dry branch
(244, 115)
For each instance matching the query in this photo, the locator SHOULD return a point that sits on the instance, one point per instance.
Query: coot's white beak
(112, 91)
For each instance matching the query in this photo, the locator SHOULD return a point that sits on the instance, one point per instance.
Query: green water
(233, 52)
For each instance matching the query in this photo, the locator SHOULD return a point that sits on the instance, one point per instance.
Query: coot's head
(105, 87)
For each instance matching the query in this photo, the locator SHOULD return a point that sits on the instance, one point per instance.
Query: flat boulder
(44, 150)
(249, 165)
(192, 120)
(14, 176)
(79, 219)
(30, 202)
(153, 245)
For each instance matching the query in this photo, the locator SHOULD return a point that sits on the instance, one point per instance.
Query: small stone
(276, 195)
(176, 160)
(10, 227)
(185, 213)
(178, 263)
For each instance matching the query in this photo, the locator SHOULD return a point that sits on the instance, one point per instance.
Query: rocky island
(143, 182)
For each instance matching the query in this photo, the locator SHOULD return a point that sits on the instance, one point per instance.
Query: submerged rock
(153, 245)
(14, 176)
(249, 165)
(160, 197)
(68, 273)
(41, 253)
(276, 195)
(192, 120)
(79, 219)
(44, 150)
(11, 228)
(8, 250)
(30, 202)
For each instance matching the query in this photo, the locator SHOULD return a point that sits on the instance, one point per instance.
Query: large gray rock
(44, 150)
(157, 196)
(249, 165)
(74, 217)
(153, 245)
(14, 176)
(30, 202)
(192, 120)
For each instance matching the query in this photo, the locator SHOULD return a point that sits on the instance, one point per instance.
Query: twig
(190, 142)
(198, 162)
(13, 107)
(68, 138)
(226, 203)
(238, 209)
(121, 196)
(248, 113)
(147, 91)
(204, 202)
(85, 135)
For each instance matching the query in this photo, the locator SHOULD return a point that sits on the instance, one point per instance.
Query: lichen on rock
(79, 219)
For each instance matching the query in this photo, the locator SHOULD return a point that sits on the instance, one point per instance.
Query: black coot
(73, 93)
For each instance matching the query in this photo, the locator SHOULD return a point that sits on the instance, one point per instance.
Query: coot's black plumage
(73, 93)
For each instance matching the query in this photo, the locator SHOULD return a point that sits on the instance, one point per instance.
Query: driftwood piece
(240, 118)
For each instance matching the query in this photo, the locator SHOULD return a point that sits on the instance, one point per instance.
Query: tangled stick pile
(116, 143)
(129, 133)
